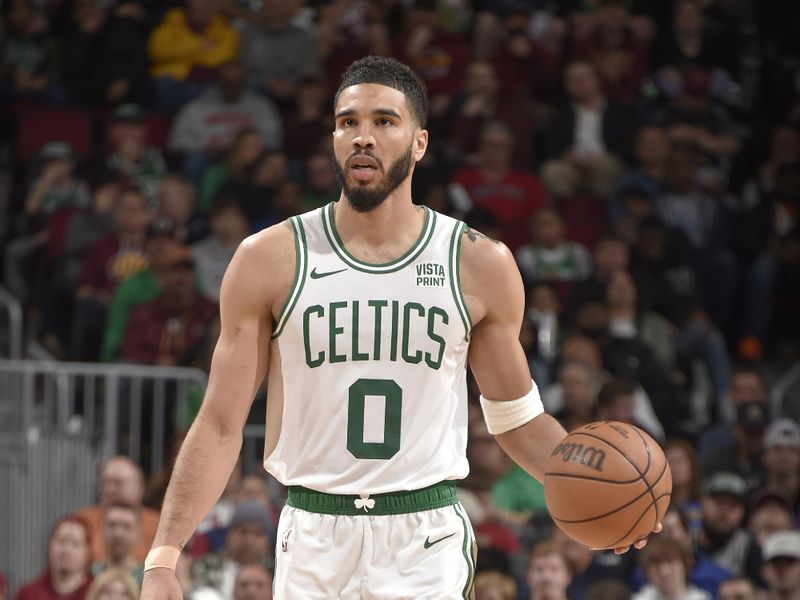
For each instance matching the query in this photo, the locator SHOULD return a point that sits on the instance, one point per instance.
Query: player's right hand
(161, 584)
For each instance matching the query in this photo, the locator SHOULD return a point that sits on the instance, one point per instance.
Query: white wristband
(505, 415)
(165, 557)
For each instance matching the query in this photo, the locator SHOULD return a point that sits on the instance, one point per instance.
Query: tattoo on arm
(473, 235)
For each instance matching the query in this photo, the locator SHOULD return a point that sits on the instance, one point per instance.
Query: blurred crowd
(641, 158)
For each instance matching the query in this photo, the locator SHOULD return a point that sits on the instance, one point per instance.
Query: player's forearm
(531, 445)
(201, 472)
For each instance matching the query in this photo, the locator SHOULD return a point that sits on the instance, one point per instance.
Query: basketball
(607, 484)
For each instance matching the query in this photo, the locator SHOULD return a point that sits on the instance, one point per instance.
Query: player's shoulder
(483, 255)
(269, 243)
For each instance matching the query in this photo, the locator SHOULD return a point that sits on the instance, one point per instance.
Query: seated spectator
(439, 56)
(616, 402)
(548, 573)
(170, 329)
(121, 482)
(540, 331)
(186, 47)
(781, 458)
(239, 158)
(512, 196)
(114, 583)
(481, 102)
(737, 588)
(666, 563)
(610, 254)
(580, 384)
(291, 49)
(67, 575)
(588, 139)
(743, 453)
(257, 194)
(321, 186)
(56, 186)
(551, 257)
(176, 209)
(586, 567)
(609, 589)
(120, 531)
(253, 582)
(129, 157)
(104, 54)
(229, 226)
(108, 262)
(722, 537)
(493, 585)
(28, 56)
(248, 542)
(771, 511)
(782, 565)
(685, 469)
(209, 124)
(309, 122)
(619, 52)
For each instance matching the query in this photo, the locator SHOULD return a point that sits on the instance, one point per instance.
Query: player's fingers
(621, 549)
(657, 528)
(640, 544)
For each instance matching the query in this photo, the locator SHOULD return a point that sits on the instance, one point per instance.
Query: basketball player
(363, 315)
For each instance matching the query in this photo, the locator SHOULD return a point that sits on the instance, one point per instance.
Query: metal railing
(13, 310)
(121, 408)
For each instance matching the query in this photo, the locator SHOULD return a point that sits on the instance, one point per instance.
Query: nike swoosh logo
(315, 275)
(429, 543)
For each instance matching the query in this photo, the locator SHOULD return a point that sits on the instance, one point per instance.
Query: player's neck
(396, 222)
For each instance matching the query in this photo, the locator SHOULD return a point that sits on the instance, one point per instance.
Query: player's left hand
(638, 545)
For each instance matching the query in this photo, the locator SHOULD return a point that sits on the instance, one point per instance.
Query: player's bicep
(241, 355)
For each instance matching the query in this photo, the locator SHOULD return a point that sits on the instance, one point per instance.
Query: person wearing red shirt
(512, 196)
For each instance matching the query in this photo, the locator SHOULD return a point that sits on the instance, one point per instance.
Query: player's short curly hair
(391, 73)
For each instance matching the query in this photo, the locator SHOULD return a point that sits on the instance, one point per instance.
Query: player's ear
(420, 144)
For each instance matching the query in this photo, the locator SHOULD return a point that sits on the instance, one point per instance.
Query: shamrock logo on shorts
(364, 502)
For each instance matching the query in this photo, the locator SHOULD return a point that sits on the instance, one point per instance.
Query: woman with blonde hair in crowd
(114, 584)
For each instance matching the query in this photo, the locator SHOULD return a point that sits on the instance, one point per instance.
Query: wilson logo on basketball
(588, 456)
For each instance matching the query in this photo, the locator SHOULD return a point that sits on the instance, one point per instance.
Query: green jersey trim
(455, 277)
(337, 244)
(301, 265)
(466, 549)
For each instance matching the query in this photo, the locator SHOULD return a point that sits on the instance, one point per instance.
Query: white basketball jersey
(367, 381)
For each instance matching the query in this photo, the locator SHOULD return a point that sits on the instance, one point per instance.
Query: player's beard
(363, 199)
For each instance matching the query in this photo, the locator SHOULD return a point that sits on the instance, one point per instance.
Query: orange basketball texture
(607, 484)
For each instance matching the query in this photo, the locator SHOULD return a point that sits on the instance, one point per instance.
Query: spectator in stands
(782, 565)
(121, 482)
(185, 49)
(744, 454)
(438, 56)
(552, 257)
(67, 575)
(104, 54)
(114, 583)
(208, 125)
(321, 186)
(229, 226)
(257, 195)
(481, 102)
(56, 185)
(588, 139)
(619, 52)
(106, 263)
(248, 542)
(608, 589)
(737, 588)
(176, 209)
(615, 402)
(170, 329)
(586, 567)
(234, 169)
(548, 573)
(651, 149)
(253, 582)
(685, 469)
(580, 384)
(610, 254)
(493, 585)
(512, 196)
(120, 531)
(28, 56)
(666, 563)
(771, 511)
(129, 156)
(309, 122)
(781, 458)
(722, 536)
(291, 51)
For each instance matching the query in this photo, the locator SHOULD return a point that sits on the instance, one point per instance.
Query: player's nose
(364, 139)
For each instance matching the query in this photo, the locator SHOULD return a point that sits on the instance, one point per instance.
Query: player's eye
(384, 122)
(348, 122)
